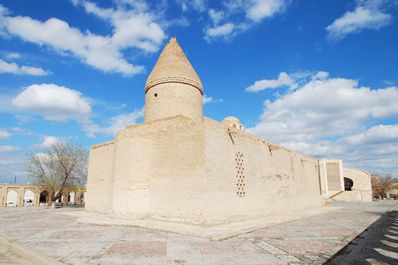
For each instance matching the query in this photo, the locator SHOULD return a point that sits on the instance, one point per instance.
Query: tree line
(383, 185)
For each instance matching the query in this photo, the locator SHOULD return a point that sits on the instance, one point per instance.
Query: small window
(156, 95)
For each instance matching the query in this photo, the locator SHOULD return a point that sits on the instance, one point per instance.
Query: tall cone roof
(173, 67)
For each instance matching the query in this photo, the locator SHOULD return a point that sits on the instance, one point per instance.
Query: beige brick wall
(202, 172)
(173, 99)
(100, 178)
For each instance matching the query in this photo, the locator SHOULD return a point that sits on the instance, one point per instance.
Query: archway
(348, 183)
(43, 197)
(28, 198)
(12, 198)
(72, 196)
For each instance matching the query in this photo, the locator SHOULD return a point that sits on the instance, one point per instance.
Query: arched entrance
(28, 198)
(12, 198)
(348, 183)
(72, 197)
(43, 197)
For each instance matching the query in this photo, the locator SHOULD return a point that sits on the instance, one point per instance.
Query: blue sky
(319, 77)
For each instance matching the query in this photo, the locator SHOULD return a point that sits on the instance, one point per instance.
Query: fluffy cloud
(115, 124)
(53, 102)
(132, 28)
(376, 135)
(239, 16)
(13, 68)
(4, 134)
(49, 141)
(226, 30)
(260, 9)
(283, 80)
(216, 16)
(8, 149)
(58, 103)
(328, 117)
(207, 100)
(367, 15)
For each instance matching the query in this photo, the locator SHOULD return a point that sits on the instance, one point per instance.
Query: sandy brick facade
(181, 166)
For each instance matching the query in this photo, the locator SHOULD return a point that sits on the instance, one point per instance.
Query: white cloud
(321, 75)
(13, 68)
(207, 100)
(260, 9)
(375, 135)
(8, 149)
(4, 134)
(53, 102)
(121, 121)
(226, 30)
(49, 141)
(216, 16)
(284, 80)
(239, 16)
(367, 15)
(328, 117)
(58, 103)
(322, 149)
(329, 107)
(132, 28)
(13, 55)
(116, 123)
(198, 5)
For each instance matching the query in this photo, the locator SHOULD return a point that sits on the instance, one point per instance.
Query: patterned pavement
(311, 240)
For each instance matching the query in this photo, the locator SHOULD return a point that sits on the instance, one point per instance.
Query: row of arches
(71, 197)
(42, 198)
(12, 198)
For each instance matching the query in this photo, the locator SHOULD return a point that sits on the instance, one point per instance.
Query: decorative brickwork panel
(240, 175)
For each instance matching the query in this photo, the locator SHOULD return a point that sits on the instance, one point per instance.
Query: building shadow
(378, 244)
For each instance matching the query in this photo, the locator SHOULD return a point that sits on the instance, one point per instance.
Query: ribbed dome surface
(173, 67)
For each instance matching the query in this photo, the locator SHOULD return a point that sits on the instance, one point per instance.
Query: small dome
(173, 67)
(233, 122)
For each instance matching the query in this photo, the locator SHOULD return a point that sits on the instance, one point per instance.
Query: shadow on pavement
(378, 244)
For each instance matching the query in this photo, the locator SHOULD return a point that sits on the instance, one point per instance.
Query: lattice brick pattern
(240, 176)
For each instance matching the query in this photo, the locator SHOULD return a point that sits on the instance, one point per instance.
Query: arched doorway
(43, 197)
(28, 198)
(12, 198)
(72, 197)
(348, 183)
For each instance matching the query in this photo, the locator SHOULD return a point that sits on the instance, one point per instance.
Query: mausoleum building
(181, 166)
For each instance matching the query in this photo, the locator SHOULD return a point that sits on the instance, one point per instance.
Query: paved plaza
(49, 236)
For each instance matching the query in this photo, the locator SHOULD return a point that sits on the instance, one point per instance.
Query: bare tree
(62, 164)
(381, 185)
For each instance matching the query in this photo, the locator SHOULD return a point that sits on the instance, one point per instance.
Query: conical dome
(173, 67)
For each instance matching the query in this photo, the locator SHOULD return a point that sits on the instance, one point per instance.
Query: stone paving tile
(143, 248)
(306, 241)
